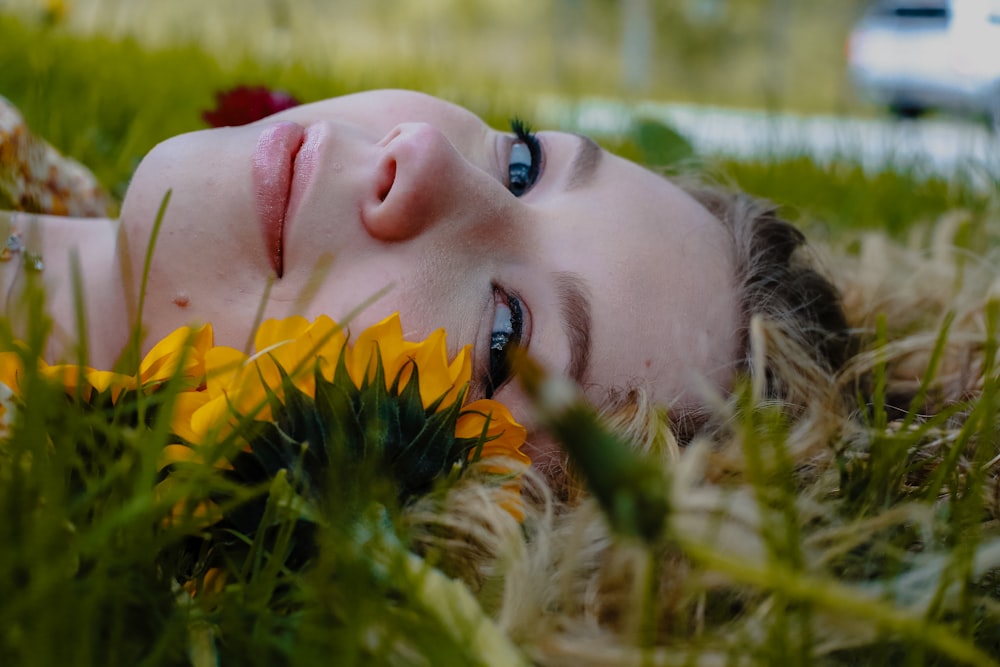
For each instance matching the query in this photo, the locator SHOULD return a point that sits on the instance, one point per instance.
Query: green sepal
(375, 412)
(332, 447)
(432, 450)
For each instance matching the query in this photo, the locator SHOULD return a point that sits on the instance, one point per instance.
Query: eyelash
(498, 369)
(524, 136)
(502, 343)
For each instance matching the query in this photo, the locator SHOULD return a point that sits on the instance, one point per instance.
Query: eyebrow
(585, 161)
(574, 305)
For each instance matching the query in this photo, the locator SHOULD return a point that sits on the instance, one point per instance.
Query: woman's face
(396, 201)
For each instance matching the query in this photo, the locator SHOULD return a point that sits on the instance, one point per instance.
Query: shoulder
(35, 177)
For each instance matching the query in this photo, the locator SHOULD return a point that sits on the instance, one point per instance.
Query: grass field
(125, 98)
(758, 53)
(889, 557)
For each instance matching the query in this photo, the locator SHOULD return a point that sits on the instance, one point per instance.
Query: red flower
(245, 104)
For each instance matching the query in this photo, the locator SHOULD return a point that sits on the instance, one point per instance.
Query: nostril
(388, 178)
(401, 199)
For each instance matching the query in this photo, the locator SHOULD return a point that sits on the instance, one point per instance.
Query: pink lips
(273, 169)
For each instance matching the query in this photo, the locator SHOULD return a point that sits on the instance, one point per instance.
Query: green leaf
(661, 145)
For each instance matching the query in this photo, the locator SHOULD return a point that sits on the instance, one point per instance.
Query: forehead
(659, 270)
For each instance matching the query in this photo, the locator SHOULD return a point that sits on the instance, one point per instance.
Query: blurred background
(760, 53)
(798, 100)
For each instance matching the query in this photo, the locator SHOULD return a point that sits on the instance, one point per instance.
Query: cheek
(207, 174)
(168, 165)
(199, 272)
(365, 293)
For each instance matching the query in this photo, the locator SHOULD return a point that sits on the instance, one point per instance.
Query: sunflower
(312, 361)
(316, 414)
(308, 410)
(181, 354)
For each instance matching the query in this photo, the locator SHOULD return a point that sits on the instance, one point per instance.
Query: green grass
(107, 102)
(773, 54)
(894, 566)
(844, 197)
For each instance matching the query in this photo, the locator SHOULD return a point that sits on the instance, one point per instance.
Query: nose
(421, 179)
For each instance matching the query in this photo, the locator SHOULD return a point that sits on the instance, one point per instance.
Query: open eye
(508, 325)
(525, 159)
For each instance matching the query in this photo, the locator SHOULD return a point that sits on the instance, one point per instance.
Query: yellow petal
(327, 338)
(10, 370)
(104, 380)
(451, 378)
(294, 358)
(438, 377)
(172, 454)
(387, 338)
(509, 437)
(185, 343)
(214, 417)
(294, 345)
(202, 342)
(185, 405)
(326, 342)
(223, 367)
(461, 367)
(160, 362)
(262, 372)
(431, 358)
(505, 435)
(275, 332)
(278, 343)
(235, 382)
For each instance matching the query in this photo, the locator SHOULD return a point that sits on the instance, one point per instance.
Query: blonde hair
(570, 587)
(572, 591)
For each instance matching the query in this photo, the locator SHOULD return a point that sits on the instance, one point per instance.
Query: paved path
(943, 147)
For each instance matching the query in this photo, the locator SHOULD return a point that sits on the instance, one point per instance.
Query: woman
(387, 201)
(657, 300)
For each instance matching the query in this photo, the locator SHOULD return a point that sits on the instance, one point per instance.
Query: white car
(915, 55)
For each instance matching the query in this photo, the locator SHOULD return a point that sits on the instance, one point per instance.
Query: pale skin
(408, 201)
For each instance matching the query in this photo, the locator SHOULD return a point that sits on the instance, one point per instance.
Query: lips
(273, 170)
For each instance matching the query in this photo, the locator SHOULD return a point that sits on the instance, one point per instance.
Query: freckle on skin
(649, 362)
(181, 300)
